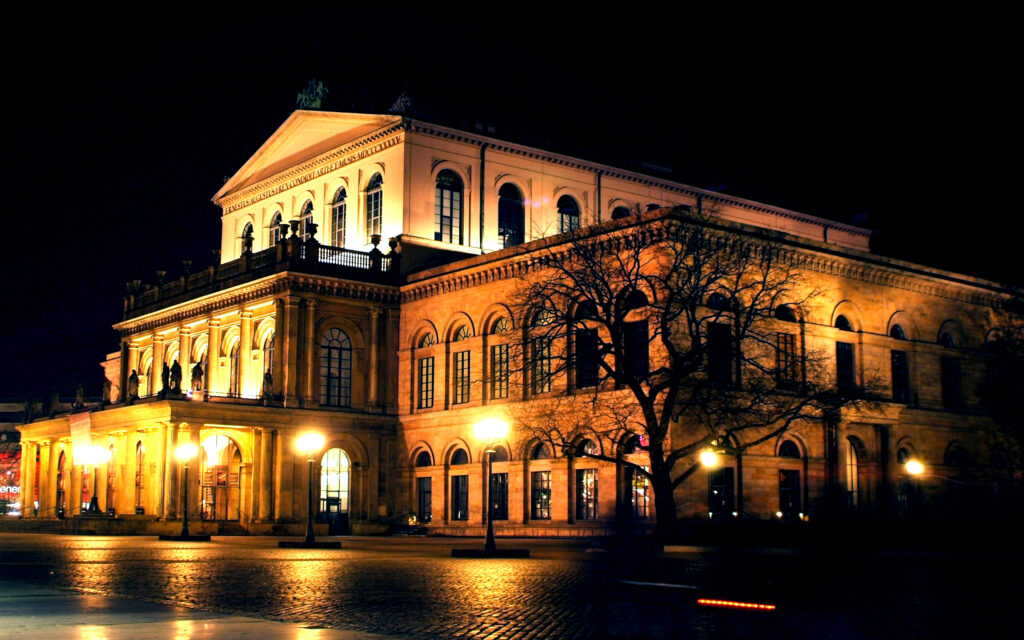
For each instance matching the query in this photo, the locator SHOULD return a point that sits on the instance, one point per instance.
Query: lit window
(335, 369)
(586, 494)
(540, 495)
(338, 210)
(305, 218)
(274, 231)
(426, 382)
(374, 201)
(568, 214)
(448, 207)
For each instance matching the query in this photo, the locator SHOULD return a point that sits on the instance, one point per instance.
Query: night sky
(118, 134)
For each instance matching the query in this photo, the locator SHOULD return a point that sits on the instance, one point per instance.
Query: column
(213, 359)
(245, 356)
(311, 312)
(28, 467)
(283, 480)
(289, 355)
(266, 474)
(170, 468)
(133, 365)
(279, 331)
(100, 489)
(195, 480)
(185, 356)
(160, 475)
(75, 492)
(156, 379)
(371, 390)
(51, 498)
(43, 481)
(123, 497)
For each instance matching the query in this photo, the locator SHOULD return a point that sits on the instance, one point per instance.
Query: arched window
(140, 477)
(635, 444)
(587, 446)
(338, 218)
(427, 340)
(234, 375)
(448, 207)
(334, 487)
(511, 215)
(146, 386)
(788, 449)
(718, 302)
(843, 323)
(459, 457)
(897, 332)
(268, 353)
(220, 475)
(305, 217)
(423, 459)
(459, 507)
(374, 205)
(541, 452)
(634, 299)
(274, 230)
(246, 235)
(785, 313)
(501, 325)
(846, 376)
(460, 368)
(946, 339)
(462, 333)
(619, 213)
(568, 214)
(335, 369)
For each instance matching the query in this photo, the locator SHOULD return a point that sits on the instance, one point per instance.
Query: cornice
(243, 294)
(323, 164)
(792, 251)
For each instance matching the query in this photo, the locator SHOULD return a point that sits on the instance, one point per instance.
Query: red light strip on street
(735, 605)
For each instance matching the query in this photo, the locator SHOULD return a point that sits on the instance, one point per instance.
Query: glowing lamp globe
(186, 452)
(99, 455)
(490, 429)
(708, 458)
(914, 467)
(309, 442)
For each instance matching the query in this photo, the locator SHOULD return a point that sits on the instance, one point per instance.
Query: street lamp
(490, 430)
(98, 455)
(309, 443)
(914, 467)
(709, 458)
(184, 453)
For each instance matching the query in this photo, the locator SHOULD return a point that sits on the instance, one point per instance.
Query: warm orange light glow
(186, 451)
(310, 442)
(914, 467)
(490, 429)
(709, 458)
(735, 605)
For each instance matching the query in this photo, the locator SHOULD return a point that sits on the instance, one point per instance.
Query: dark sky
(119, 133)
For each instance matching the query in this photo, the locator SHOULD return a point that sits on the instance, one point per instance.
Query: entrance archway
(220, 472)
(334, 491)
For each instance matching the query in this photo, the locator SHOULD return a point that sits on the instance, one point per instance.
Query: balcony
(293, 254)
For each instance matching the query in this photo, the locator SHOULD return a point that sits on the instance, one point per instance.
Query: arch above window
(427, 340)
(843, 323)
(897, 332)
(462, 333)
(785, 313)
(789, 449)
(903, 455)
(587, 446)
(459, 457)
(619, 213)
(501, 325)
(633, 299)
(542, 318)
(423, 459)
(718, 302)
(946, 339)
(636, 443)
(568, 214)
(500, 454)
(541, 452)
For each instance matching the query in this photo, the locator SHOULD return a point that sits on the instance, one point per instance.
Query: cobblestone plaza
(412, 588)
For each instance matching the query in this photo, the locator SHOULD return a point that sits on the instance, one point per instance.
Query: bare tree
(674, 330)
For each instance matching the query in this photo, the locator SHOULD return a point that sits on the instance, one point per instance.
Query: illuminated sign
(9, 489)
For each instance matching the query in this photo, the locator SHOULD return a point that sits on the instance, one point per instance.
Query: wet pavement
(412, 588)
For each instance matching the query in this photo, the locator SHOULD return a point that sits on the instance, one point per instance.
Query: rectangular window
(540, 362)
(952, 394)
(447, 215)
(460, 498)
(721, 493)
(787, 364)
(426, 382)
(789, 494)
(639, 489)
(499, 371)
(499, 495)
(460, 393)
(338, 224)
(900, 377)
(586, 358)
(720, 353)
(586, 494)
(636, 346)
(846, 378)
(540, 495)
(424, 495)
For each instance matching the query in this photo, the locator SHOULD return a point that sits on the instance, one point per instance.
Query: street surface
(412, 588)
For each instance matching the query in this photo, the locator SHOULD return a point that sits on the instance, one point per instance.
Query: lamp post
(309, 443)
(184, 453)
(488, 431)
(709, 459)
(98, 455)
(914, 469)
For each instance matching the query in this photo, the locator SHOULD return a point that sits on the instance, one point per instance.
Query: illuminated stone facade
(305, 324)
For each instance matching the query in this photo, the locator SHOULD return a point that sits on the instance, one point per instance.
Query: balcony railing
(292, 254)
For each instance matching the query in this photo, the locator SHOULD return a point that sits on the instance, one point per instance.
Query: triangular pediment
(303, 136)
